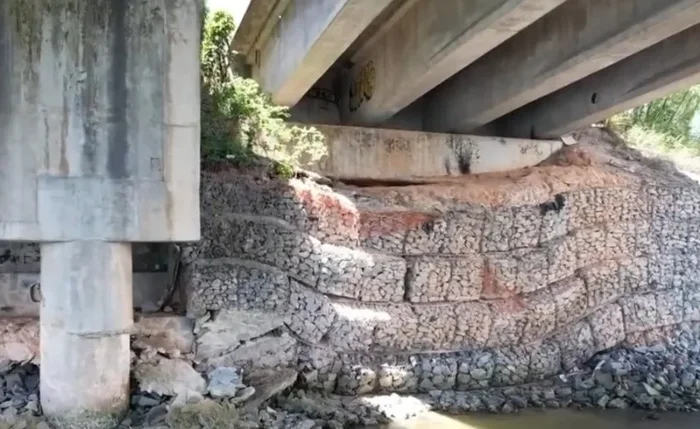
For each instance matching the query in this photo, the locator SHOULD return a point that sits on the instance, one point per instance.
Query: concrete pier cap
(99, 147)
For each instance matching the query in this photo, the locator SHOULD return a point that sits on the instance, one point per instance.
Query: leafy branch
(240, 123)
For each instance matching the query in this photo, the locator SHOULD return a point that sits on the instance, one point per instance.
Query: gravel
(659, 378)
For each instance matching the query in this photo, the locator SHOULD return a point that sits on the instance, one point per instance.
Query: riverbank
(658, 379)
(556, 419)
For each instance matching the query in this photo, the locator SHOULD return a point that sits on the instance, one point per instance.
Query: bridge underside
(517, 68)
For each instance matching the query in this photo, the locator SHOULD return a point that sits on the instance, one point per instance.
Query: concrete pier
(86, 317)
(99, 118)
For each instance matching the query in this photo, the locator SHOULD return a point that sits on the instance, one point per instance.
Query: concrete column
(86, 315)
(99, 113)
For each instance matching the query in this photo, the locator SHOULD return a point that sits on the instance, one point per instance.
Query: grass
(652, 144)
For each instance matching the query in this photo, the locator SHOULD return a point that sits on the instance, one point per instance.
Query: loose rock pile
(657, 378)
(19, 393)
(224, 403)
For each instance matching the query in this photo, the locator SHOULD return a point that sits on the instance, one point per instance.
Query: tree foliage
(667, 121)
(239, 121)
(216, 48)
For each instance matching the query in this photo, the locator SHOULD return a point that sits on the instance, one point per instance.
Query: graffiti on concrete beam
(322, 94)
(362, 86)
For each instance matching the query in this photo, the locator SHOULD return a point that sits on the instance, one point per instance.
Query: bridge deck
(466, 66)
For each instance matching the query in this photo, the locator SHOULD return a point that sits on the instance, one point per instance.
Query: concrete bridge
(99, 121)
(518, 68)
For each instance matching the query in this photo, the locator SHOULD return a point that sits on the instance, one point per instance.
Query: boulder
(269, 384)
(227, 329)
(170, 377)
(19, 341)
(224, 382)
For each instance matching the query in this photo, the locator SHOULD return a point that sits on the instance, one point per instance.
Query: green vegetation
(665, 124)
(239, 122)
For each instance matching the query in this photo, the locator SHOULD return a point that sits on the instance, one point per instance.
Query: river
(555, 419)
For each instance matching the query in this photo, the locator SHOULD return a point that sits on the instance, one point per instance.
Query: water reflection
(555, 419)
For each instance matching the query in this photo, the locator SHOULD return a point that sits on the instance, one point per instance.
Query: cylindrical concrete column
(86, 315)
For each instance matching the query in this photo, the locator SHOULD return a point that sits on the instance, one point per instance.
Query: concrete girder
(668, 66)
(256, 25)
(425, 43)
(575, 40)
(307, 39)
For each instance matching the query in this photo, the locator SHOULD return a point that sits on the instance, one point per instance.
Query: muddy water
(555, 419)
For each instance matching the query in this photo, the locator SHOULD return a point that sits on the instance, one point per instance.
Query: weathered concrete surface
(575, 40)
(99, 114)
(308, 38)
(257, 21)
(319, 105)
(423, 46)
(373, 153)
(86, 317)
(101, 137)
(661, 69)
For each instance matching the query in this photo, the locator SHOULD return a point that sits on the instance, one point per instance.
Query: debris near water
(659, 378)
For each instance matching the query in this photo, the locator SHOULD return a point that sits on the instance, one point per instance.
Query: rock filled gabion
(542, 289)
(429, 288)
(657, 378)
